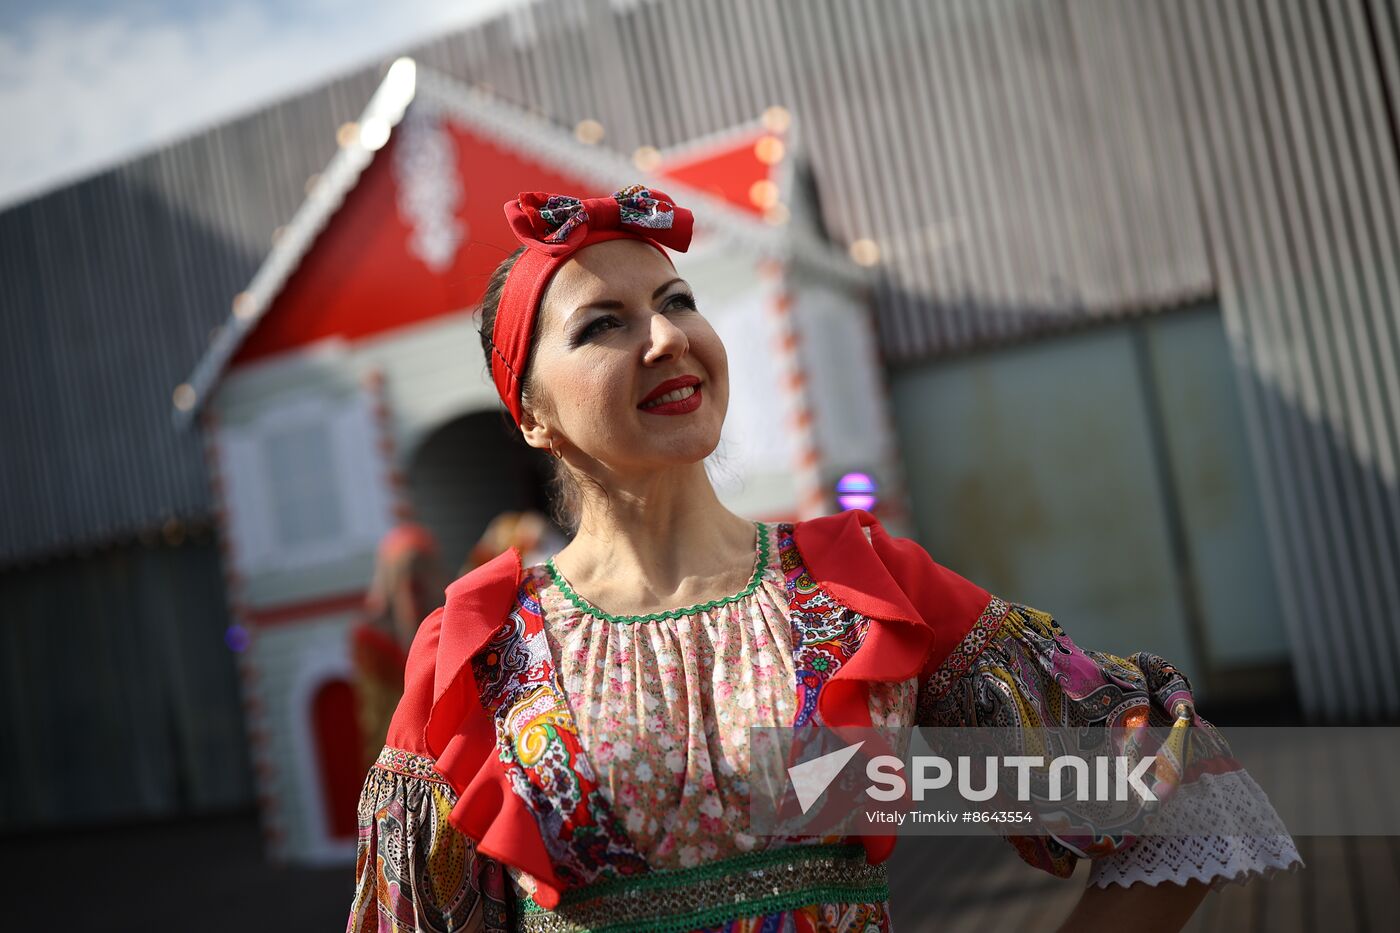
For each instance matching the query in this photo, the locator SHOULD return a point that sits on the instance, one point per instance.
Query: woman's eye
(675, 302)
(597, 326)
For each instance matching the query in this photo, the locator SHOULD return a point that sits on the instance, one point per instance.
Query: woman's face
(617, 327)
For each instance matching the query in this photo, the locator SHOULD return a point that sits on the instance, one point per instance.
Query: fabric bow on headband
(553, 227)
(557, 224)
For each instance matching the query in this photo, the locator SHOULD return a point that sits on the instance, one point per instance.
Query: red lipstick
(680, 406)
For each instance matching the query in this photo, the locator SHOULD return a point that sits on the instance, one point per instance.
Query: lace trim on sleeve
(1020, 670)
(1252, 841)
(414, 870)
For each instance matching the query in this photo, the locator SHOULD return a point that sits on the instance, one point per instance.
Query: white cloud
(80, 92)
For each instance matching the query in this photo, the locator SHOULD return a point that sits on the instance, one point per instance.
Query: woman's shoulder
(920, 609)
(439, 659)
(854, 552)
(420, 673)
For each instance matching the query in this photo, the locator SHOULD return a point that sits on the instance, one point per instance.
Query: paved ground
(952, 885)
(204, 875)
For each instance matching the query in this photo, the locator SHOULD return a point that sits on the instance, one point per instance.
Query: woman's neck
(657, 542)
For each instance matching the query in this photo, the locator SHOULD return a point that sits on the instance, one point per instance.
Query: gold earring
(554, 453)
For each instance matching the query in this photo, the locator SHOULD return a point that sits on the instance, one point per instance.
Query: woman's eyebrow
(657, 294)
(613, 304)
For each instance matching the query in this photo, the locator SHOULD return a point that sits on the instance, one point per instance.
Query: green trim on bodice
(748, 885)
(760, 564)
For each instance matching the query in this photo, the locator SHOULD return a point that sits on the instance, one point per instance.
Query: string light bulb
(646, 158)
(763, 194)
(776, 119)
(865, 252)
(589, 132)
(769, 150)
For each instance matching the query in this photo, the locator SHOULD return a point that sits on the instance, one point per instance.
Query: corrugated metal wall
(1290, 110)
(109, 289)
(117, 698)
(1022, 166)
(1013, 161)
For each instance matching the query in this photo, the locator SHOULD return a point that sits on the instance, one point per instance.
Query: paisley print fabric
(825, 633)
(540, 745)
(815, 918)
(1026, 673)
(561, 214)
(414, 870)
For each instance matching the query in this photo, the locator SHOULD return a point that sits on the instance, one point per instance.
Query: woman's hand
(1141, 907)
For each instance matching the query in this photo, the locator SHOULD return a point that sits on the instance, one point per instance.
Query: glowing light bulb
(763, 194)
(856, 491)
(769, 150)
(865, 252)
(777, 119)
(646, 158)
(243, 306)
(589, 132)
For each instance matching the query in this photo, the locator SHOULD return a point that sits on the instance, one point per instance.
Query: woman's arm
(1162, 908)
(1028, 674)
(415, 870)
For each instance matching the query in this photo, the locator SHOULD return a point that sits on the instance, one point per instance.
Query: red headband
(553, 227)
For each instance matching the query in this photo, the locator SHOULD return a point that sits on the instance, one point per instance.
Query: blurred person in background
(408, 584)
(528, 532)
(572, 746)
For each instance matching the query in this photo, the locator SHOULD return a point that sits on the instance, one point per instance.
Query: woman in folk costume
(529, 532)
(572, 749)
(407, 585)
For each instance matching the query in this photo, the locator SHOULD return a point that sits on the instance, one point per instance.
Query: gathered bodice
(664, 702)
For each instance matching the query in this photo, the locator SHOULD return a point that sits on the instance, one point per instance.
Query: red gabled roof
(361, 277)
(734, 169)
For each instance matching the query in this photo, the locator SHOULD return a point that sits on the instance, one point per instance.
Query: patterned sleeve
(1022, 671)
(414, 870)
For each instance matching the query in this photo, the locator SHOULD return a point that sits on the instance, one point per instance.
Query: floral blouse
(657, 710)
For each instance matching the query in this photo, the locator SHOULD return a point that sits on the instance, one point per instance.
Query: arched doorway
(338, 752)
(466, 473)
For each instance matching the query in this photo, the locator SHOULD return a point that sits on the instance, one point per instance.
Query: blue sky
(86, 83)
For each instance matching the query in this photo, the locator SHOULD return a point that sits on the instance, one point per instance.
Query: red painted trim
(295, 612)
(726, 169)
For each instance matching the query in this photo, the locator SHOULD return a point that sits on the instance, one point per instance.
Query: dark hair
(564, 487)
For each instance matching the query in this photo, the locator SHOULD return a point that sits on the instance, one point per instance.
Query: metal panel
(109, 289)
(1063, 514)
(1297, 174)
(1224, 561)
(117, 696)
